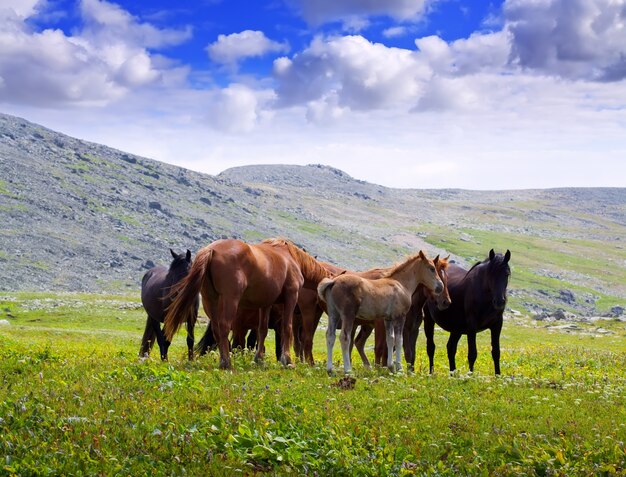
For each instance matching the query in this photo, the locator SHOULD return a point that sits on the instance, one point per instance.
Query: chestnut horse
(478, 302)
(230, 274)
(349, 296)
(156, 286)
(411, 324)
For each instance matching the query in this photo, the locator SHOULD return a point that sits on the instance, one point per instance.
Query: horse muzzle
(443, 303)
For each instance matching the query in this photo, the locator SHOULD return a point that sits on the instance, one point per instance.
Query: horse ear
(492, 254)
(507, 256)
(436, 260)
(188, 256)
(173, 253)
(422, 256)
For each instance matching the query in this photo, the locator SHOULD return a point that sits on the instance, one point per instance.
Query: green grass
(76, 400)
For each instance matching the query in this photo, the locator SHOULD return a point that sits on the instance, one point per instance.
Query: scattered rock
(4, 322)
(347, 382)
(567, 296)
(617, 310)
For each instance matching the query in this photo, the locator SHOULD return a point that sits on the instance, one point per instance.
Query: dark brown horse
(411, 324)
(230, 274)
(156, 286)
(349, 297)
(478, 301)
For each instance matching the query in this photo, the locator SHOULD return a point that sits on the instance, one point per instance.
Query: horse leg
(453, 341)
(495, 346)
(264, 319)
(278, 343)
(472, 352)
(221, 323)
(410, 333)
(345, 337)
(429, 332)
(161, 340)
(206, 342)
(389, 334)
(191, 323)
(252, 339)
(359, 343)
(147, 341)
(308, 325)
(238, 333)
(291, 299)
(331, 331)
(398, 325)
(380, 342)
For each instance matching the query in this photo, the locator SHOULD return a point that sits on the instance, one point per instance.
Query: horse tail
(185, 294)
(322, 289)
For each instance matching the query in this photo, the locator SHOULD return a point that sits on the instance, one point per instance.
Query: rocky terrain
(78, 216)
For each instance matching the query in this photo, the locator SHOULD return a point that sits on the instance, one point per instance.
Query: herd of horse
(276, 284)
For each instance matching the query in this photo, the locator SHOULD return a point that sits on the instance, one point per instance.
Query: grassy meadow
(76, 400)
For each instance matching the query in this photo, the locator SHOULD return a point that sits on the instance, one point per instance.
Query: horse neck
(312, 271)
(408, 274)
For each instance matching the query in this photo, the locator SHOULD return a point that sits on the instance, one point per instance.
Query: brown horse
(412, 323)
(348, 297)
(230, 274)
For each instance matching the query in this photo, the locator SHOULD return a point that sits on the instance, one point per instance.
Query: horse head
(442, 299)
(497, 278)
(181, 264)
(436, 286)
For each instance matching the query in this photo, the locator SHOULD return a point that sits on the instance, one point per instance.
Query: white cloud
(577, 39)
(394, 32)
(19, 8)
(359, 74)
(229, 49)
(317, 12)
(98, 63)
(238, 108)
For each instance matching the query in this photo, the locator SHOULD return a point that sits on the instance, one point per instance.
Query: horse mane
(309, 266)
(402, 265)
(498, 258)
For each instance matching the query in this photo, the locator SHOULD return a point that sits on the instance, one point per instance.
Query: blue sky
(405, 93)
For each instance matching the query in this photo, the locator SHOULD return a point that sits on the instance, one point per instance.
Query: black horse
(156, 286)
(478, 299)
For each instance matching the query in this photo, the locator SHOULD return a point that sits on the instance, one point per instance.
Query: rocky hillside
(78, 216)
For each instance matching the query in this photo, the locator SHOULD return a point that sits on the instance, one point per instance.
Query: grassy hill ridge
(79, 216)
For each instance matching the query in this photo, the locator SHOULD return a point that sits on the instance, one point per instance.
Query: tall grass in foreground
(76, 400)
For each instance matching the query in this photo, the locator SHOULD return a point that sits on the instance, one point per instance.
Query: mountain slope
(84, 217)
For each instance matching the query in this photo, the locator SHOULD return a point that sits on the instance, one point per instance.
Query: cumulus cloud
(98, 63)
(576, 39)
(317, 12)
(238, 108)
(229, 49)
(356, 73)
